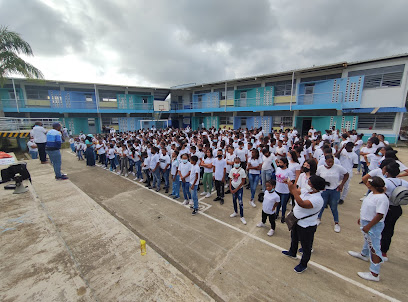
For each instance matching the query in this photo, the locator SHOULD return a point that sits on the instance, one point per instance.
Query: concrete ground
(88, 230)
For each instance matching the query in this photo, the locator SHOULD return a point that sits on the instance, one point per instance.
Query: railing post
(15, 95)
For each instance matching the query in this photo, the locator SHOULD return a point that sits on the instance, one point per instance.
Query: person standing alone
(53, 146)
(40, 138)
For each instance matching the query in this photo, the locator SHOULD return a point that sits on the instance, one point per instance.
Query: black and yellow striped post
(17, 134)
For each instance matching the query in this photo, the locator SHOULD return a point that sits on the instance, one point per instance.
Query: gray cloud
(172, 42)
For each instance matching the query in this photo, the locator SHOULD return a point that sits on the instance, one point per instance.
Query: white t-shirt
(348, 160)
(373, 204)
(184, 168)
(229, 158)
(174, 165)
(194, 173)
(254, 163)
(281, 176)
(302, 181)
(366, 150)
(293, 167)
(334, 175)
(241, 154)
(220, 165)
(207, 161)
(358, 145)
(111, 153)
(164, 161)
(146, 163)
(30, 145)
(376, 172)
(322, 161)
(267, 162)
(100, 148)
(374, 161)
(269, 201)
(154, 160)
(299, 212)
(236, 176)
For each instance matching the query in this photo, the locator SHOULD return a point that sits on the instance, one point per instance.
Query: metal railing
(320, 98)
(19, 124)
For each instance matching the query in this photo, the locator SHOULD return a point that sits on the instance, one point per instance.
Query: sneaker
(63, 177)
(194, 212)
(126, 174)
(341, 201)
(191, 202)
(283, 219)
(185, 202)
(226, 186)
(233, 215)
(141, 180)
(208, 195)
(301, 250)
(384, 257)
(300, 268)
(167, 190)
(270, 233)
(204, 193)
(243, 220)
(251, 202)
(221, 201)
(260, 225)
(286, 253)
(337, 228)
(368, 276)
(228, 192)
(118, 173)
(213, 189)
(358, 255)
(135, 179)
(158, 189)
(319, 222)
(217, 198)
(176, 197)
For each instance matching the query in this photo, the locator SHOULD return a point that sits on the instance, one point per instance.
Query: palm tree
(11, 46)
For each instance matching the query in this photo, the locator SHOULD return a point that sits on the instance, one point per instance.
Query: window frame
(378, 122)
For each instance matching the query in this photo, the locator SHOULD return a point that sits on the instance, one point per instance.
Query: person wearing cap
(39, 135)
(53, 146)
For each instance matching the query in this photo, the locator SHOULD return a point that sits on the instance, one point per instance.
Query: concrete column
(100, 123)
(295, 115)
(22, 86)
(339, 113)
(66, 114)
(261, 113)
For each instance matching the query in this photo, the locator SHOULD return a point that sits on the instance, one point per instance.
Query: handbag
(291, 219)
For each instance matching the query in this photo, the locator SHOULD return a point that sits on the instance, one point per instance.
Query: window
(110, 121)
(39, 92)
(226, 120)
(286, 120)
(321, 78)
(309, 88)
(243, 95)
(12, 96)
(243, 122)
(200, 98)
(389, 76)
(283, 88)
(376, 121)
(144, 100)
(88, 97)
(91, 121)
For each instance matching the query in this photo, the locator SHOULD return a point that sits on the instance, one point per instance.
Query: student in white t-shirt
(254, 172)
(184, 173)
(372, 215)
(348, 159)
(32, 148)
(229, 157)
(307, 206)
(194, 180)
(207, 163)
(282, 174)
(268, 166)
(270, 201)
(368, 149)
(165, 168)
(357, 148)
(237, 178)
(220, 170)
(175, 177)
(336, 176)
(373, 159)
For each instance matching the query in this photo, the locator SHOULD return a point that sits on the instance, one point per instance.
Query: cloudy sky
(166, 43)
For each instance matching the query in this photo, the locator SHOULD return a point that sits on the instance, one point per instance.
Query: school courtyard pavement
(78, 240)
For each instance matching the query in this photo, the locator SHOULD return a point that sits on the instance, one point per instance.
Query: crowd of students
(308, 174)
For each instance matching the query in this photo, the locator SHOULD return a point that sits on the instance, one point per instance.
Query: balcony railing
(320, 98)
(17, 124)
(12, 103)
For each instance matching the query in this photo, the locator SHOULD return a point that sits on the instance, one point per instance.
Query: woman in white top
(268, 160)
(357, 147)
(372, 215)
(307, 207)
(207, 163)
(294, 165)
(282, 174)
(308, 169)
(374, 159)
(229, 157)
(368, 149)
(254, 172)
(337, 176)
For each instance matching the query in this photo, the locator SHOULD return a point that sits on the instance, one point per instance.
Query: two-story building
(369, 96)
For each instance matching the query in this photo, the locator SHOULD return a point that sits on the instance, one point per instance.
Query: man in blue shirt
(53, 146)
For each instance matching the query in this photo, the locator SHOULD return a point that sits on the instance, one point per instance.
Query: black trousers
(305, 236)
(271, 219)
(219, 186)
(41, 151)
(394, 212)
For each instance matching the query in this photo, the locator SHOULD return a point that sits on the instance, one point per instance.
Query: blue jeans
(156, 178)
(359, 161)
(131, 165)
(372, 244)
(186, 190)
(176, 187)
(165, 174)
(331, 198)
(265, 176)
(113, 164)
(72, 147)
(34, 154)
(195, 197)
(284, 197)
(79, 154)
(253, 182)
(235, 196)
(138, 166)
(55, 158)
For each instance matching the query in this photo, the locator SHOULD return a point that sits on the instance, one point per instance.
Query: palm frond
(12, 41)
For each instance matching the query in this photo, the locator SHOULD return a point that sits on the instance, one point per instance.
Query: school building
(369, 96)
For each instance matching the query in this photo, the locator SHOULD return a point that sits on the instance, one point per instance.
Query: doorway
(306, 124)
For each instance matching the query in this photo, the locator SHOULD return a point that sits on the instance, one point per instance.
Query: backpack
(399, 196)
